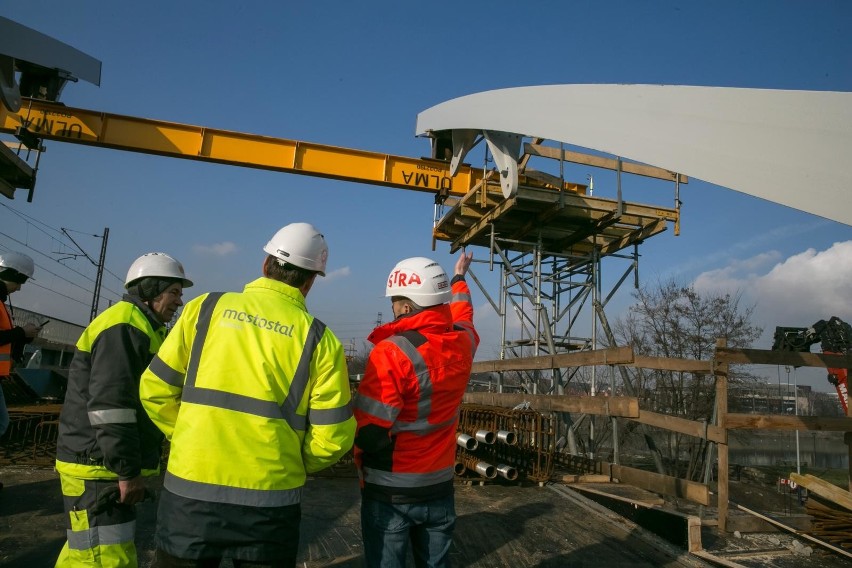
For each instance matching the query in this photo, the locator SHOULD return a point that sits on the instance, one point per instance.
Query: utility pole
(100, 277)
(96, 297)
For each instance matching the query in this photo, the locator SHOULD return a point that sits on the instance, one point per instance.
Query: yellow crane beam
(39, 119)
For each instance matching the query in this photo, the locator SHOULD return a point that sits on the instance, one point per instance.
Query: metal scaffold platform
(548, 241)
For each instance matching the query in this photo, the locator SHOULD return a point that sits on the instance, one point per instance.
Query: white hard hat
(421, 280)
(299, 244)
(18, 262)
(157, 265)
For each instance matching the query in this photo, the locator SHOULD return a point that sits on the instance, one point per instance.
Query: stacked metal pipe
(520, 442)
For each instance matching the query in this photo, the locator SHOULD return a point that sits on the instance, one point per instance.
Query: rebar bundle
(31, 437)
(521, 441)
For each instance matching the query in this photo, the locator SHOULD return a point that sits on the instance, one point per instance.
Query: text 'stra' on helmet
(421, 280)
(17, 262)
(300, 244)
(156, 265)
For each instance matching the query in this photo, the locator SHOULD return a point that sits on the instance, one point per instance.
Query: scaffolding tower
(547, 244)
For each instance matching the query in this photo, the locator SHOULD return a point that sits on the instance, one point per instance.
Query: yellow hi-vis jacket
(253, 393)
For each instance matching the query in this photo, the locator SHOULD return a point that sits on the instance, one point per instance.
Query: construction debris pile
(830, 524)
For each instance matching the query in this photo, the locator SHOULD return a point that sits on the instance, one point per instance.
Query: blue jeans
(388, 528)
(4, 413)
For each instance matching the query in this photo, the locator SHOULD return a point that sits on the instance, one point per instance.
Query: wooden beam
(542, 219)
(722, 417)
(587, 478)
(670, 364)
(779, 422)
(663, 484)
(682, 425)
(640, 234)
(847, 439)
(587, 231)
(716, 560)
(614, 356)
(601, 162)
(610, 490)
(750, 524)
(791, 358)
(824, 489)
(482, 223)
(588, 202)
(624, 406)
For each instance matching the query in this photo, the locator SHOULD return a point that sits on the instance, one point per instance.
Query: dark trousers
(166, 560)
(195, 533)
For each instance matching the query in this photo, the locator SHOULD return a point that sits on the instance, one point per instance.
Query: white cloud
(335, 275)
(793, 292)
(216, 249)
(744, 246)
(796, 291)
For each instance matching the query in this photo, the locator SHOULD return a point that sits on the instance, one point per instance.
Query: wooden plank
(796, 532)
(585, 478)
(790, 358)
(718, 560)
(614, 356)
(682, 425)
(602, 162)
(749, 524)
(647, 499)
(648, 512)
(721, 402)
(693, 532)
(670, 364)
(590, 203)
(663, 484)
(640, 234)
(483, 222)
(779, 422)
(604, 405)
(824, 489)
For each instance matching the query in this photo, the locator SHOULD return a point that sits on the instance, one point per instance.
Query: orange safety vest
(5, 350)
(407, 405)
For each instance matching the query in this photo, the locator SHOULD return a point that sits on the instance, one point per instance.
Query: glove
(109, 498)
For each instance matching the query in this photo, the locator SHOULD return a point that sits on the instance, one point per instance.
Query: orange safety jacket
(5, 349)
(407, 405)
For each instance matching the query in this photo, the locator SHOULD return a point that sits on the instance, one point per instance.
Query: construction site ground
(505, 524)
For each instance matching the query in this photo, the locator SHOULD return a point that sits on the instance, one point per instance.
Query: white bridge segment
(789, 147)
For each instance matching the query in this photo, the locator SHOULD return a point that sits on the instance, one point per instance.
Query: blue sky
(356, 75)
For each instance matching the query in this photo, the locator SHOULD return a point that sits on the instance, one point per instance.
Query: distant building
(56, 341)
(43, 373)
(772, 398)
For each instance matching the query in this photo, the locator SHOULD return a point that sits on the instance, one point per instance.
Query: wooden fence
(628, 408)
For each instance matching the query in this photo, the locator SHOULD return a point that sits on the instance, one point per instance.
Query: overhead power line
(61, 238)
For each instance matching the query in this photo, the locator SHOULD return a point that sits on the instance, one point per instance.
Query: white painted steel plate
(789, 147)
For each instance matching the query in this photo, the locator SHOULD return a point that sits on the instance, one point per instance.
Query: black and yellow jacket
(103, 431)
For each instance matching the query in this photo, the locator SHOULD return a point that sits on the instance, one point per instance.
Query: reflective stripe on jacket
(5, 349)
(407, 404)
(103, 431)
(253, 393)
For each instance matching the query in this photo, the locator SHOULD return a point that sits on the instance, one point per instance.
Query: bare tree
(673, 320)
